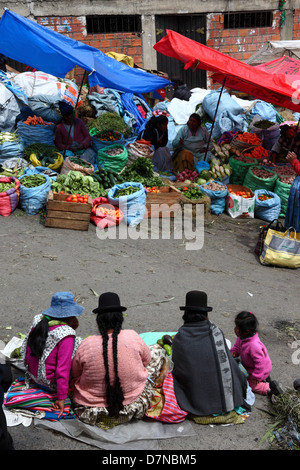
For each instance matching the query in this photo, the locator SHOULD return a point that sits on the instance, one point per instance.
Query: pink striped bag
(10, 198)
(171, 412)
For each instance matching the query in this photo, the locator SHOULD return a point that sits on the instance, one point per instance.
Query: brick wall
(75, 27)
(239, 43)
(296, 31)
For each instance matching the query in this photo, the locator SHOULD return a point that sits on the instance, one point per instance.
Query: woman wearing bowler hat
(49, 346)
(207, 380)
(113, 373)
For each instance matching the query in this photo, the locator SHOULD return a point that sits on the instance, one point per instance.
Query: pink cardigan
(254, 357)
(88, 370)
(58, 365)
(81, 135)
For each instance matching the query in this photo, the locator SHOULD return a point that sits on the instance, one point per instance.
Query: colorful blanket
(35, 399)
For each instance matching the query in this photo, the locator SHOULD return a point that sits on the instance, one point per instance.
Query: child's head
(245, 324)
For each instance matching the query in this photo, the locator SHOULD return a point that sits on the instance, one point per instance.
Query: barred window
(113, 24)
(251, 19)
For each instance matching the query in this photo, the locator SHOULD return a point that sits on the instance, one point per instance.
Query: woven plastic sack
(268, 136)
(255, 182)
(68, 165)
(270, 208)
(101, 219)
(32, 200)
(239, 169)
(9, 199)
(132, 206)
(136, 150)
(217, 198)
(99, 144)
(39, 133)
(11, 149)
(283, 191)
(53, 166)
(113, 162)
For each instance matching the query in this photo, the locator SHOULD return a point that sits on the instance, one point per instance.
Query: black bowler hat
(109, 302)
(196, 300)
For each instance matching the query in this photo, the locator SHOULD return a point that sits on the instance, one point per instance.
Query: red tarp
(276, 88)
(284, 64)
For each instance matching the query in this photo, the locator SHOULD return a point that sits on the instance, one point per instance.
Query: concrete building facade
(235, 27)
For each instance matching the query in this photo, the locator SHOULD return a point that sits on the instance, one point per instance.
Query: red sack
(105, 214)
(9, 199)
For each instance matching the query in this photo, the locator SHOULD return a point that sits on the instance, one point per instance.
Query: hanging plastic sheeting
(57, 54)
(277, 89)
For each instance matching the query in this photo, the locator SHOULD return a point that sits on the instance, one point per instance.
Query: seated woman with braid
(112, 373)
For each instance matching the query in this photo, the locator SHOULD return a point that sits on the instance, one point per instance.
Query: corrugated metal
(191, 26)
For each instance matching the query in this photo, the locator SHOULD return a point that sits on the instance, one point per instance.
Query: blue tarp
(39, 47)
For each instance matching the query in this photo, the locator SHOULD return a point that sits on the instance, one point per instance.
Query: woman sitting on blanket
(156, 132)
(72, 136)
(207, 380)
(190, 144)
(49, 346)
(113, 373)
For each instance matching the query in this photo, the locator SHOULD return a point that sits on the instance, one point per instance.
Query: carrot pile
(249, 138)
(257, 152)
(116, 213)
(36, 121)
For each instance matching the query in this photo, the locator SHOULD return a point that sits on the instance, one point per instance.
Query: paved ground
(36, 262)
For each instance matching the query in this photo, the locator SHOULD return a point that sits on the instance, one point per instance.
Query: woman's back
(88, 369)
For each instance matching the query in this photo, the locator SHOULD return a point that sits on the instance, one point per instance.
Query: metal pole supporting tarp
(212, 127)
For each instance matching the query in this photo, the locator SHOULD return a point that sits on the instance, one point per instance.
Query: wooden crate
(186, 201)
(67, 215)
(166, 198)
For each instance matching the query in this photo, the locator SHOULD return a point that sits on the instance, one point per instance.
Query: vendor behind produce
(72, 136)
(156, 132)
(282, 146)
(190, 144)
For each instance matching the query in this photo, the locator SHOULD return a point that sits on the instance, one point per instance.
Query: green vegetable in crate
(77, 183)
(31, 181)
(192, 193)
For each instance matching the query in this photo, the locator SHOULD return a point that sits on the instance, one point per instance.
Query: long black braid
(114, 393)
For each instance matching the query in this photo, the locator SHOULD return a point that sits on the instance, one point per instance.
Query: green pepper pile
(31, 181)
(192, 193)
(126, 191)
(6, 186)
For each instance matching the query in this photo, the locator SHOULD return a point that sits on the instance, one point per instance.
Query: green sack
(113, 162)
(283, 191)
(255, 182)
(239, 170)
